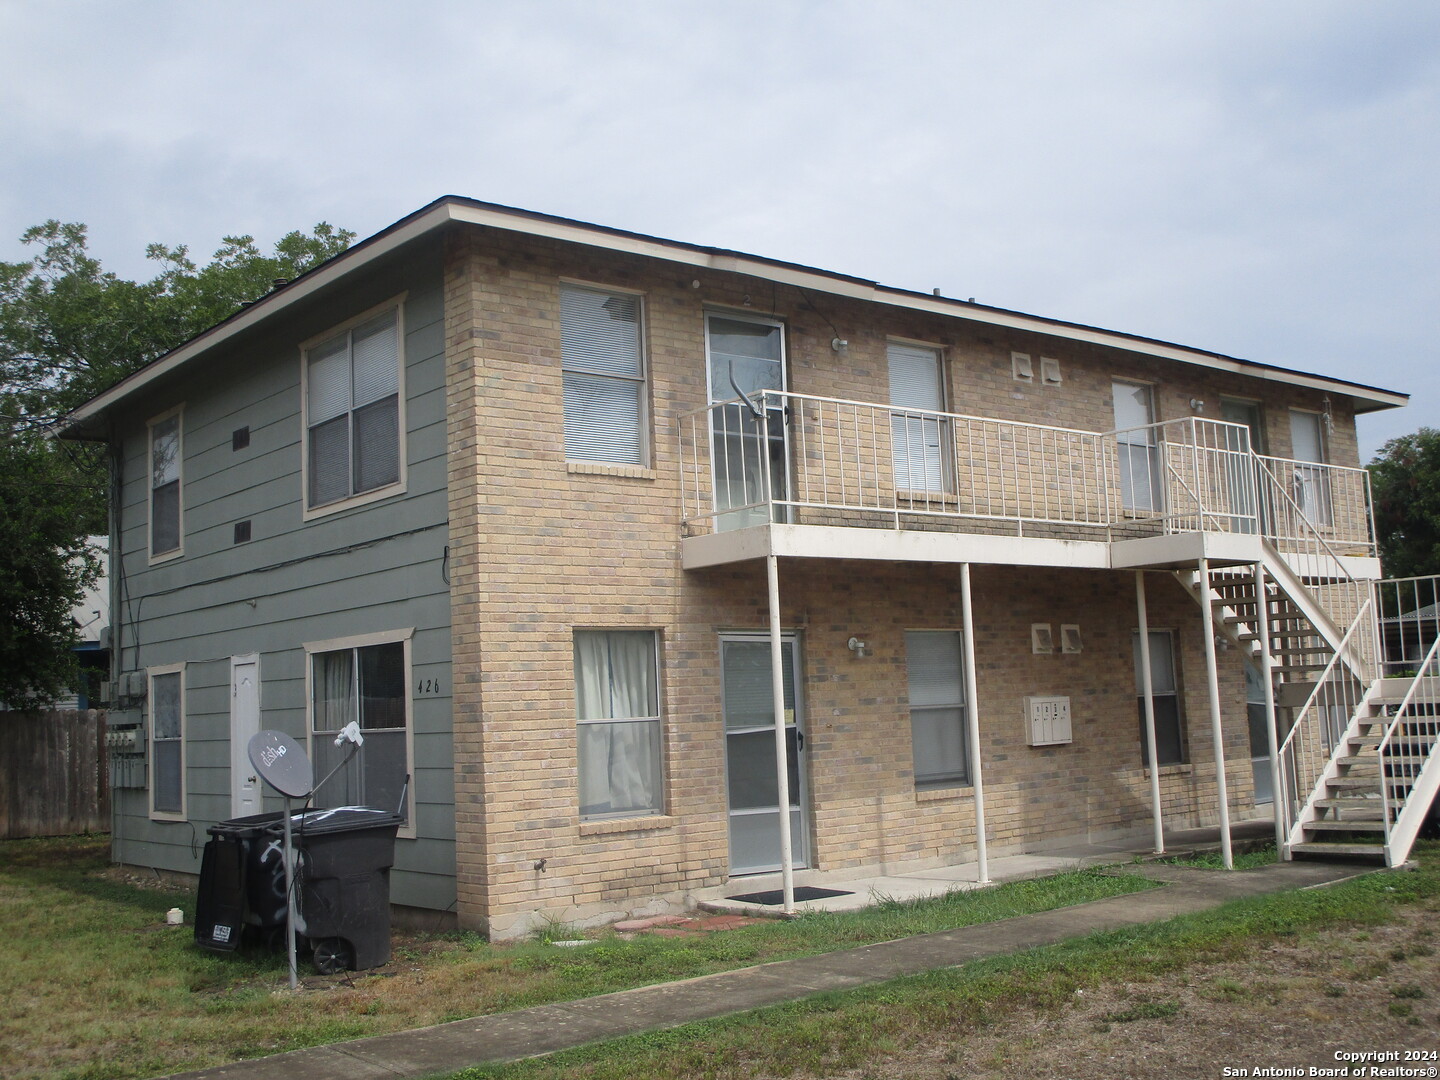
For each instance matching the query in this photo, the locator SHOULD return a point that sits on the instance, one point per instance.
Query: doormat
(777, 896)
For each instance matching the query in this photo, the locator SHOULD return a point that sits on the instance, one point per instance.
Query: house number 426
(428, 686)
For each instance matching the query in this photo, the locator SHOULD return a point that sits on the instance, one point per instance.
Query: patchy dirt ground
(1292, 1006)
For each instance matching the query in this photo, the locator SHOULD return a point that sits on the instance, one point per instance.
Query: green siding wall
(363, 570)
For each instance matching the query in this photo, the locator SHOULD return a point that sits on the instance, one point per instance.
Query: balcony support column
(782, 754)
(1280, 800)
(1147, 687)
(972, 723)
(1212, 673)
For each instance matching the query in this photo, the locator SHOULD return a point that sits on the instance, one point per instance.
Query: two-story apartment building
(540, 503)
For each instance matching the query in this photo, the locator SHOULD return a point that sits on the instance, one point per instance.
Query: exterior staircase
(1360, 755)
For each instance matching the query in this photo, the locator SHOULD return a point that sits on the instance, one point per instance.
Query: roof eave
(83, 421)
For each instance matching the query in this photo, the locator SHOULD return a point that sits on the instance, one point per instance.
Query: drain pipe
(782, 755)
(1147, 687)
(972, 716)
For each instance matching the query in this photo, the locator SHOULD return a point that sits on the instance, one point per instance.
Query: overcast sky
(1255, 178)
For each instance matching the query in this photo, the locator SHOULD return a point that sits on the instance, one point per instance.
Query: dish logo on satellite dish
(272, 754)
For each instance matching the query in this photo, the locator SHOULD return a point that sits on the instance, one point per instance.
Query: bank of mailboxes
(1047, 720)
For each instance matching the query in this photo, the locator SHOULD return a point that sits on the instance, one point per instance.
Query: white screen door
(754, 802)
(1240, 469)
(748, 354)
(1311, 485)
(919, 440)
(1139, 455)
(244, 725)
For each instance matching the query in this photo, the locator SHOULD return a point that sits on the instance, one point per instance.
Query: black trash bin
(343, 858)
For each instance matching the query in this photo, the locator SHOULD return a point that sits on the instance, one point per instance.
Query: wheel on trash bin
(332, 956)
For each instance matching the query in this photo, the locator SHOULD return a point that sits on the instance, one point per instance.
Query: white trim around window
(165, 485)
(165, 747)
(337, 397)
(372, 778)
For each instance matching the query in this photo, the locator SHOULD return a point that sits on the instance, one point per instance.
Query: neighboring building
(483, 483)
(91, 619)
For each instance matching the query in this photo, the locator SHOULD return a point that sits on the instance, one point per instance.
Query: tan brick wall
(540, 548)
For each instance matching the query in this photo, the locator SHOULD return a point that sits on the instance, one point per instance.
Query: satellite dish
(281, 763)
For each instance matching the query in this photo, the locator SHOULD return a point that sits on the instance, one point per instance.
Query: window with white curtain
(919, 439)
(936, 673)
(167, 741)
(1164, 687)
(165, 486)
(352, 411)
(617, 699)
(604, 376)
(366, 683)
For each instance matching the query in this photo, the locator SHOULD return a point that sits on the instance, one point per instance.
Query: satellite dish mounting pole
(283, 764)
(290, 912)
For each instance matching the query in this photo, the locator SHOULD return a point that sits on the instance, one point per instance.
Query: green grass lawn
(834, 1032)
(99, 988)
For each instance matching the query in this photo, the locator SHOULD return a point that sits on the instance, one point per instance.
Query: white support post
(1281, 801)
(1217, 730)
(1147, 686)
(972, 723)
(782, 750)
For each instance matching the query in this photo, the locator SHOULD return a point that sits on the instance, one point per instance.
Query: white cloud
(1255, 179)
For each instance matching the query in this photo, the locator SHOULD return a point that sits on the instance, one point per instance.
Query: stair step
(1320, 850)
(1368, 804)
(1376, 826)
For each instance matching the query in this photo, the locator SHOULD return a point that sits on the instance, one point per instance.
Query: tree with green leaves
(68, 330)
(1405, 485)
(46, 569)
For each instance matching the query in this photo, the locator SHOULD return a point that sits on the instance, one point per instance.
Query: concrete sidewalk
(545, 1029)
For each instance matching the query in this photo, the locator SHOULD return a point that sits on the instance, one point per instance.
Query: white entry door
(244, 725)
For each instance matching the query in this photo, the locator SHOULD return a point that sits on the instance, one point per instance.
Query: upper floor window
(353, 410)
(604, 376)
(165, 485)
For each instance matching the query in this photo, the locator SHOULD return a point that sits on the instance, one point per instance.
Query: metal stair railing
(1414, 727)
(1330, 716)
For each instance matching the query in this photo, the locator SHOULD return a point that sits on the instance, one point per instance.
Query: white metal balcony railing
(812, 460)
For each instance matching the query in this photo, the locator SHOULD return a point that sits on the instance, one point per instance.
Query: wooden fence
(53, 778)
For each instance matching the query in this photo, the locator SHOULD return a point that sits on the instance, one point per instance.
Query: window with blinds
(165, 486)
(167, 742)
(352, 385)
(936, 673)
(919, 439)
(1165, 689)
(604, 374)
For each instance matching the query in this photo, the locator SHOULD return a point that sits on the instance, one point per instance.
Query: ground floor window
(167, 741)
(364, 681)
(617, 699)
(936, 674)
(1169, 737)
